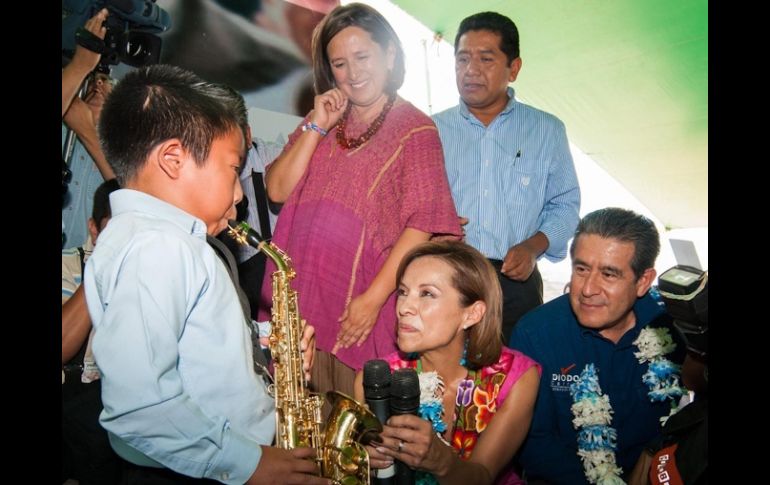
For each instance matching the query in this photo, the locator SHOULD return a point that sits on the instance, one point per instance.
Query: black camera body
(684, 290)
(131, 27)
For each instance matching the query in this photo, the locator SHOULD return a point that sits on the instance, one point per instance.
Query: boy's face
(217, 184)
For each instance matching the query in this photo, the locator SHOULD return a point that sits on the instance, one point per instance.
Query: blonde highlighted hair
(476, 280)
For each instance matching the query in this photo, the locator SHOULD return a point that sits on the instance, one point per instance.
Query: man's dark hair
(363, 17)
(157, 103)
(623, 225)
(101, 207)
(495, 23)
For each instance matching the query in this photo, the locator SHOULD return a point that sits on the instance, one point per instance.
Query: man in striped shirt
(508, 164)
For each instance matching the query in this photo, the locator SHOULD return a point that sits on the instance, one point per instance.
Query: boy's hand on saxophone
(279, 466)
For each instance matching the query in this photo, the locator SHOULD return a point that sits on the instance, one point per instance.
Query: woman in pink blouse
(363, 181)
(476, 396)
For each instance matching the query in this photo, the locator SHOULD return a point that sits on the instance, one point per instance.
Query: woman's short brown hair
(475, 279)
(363, 17)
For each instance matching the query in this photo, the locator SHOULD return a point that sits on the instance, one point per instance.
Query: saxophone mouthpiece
(243, 233)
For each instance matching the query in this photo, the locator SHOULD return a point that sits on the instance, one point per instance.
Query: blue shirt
(86, 178)
(171, 342)
(551, 335)
(512, 178)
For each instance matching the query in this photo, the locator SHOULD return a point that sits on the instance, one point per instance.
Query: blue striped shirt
(512, 178)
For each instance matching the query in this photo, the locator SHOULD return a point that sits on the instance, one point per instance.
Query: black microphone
(377, 396)
(404, 399)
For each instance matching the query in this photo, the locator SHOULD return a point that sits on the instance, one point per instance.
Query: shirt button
(486, 163)
(225, 476)
(485, 192)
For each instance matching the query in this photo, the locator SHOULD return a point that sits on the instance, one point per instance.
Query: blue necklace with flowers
(593, 412)
(431, 409)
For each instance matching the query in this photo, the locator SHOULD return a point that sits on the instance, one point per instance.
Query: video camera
(684, 290)
(131, 27)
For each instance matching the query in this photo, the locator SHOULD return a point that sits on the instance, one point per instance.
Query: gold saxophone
(339, 448)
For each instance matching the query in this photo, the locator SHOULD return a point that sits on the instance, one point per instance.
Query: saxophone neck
(281, 259)
(244, 234)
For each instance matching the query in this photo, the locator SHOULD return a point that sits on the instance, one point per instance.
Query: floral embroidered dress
(346, 213)
(479, 396)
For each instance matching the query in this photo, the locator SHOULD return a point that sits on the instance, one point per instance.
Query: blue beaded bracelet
(312, 126)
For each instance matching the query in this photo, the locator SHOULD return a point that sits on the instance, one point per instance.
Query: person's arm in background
(360, 315)
(543, 454)
(75, 321)
(75, 324)
(83, 62)
(284, 173)
(80, 118)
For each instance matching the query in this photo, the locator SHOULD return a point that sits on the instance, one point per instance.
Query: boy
(178, 385)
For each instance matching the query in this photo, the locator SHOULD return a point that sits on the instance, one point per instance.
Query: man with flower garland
(594, 332)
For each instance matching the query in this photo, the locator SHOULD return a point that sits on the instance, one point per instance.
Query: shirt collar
(129, 200)
(508, 107)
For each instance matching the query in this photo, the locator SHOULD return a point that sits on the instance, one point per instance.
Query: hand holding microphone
(409, 439)
(377, 381)
(404, 399)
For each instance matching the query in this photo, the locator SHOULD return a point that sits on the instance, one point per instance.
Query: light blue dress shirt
(512, 178)
(171, 343)
(86, 178)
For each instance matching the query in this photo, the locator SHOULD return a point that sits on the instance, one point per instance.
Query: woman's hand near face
(328, 107)
(283, 175)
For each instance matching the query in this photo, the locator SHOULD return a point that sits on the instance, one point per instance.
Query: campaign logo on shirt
(560, 381)
(664, 470)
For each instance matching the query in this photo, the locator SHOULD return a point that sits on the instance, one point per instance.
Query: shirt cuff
(263, 329)
(238, 459)
(557, 244)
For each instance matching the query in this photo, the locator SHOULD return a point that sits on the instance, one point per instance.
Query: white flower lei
(593, 412)
(662, 376)
(596, 438)
(432, 409)
(431, 406)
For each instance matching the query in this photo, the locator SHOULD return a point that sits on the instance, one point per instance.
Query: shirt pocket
(523, 186)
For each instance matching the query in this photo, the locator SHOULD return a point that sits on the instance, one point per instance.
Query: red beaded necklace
(356, 142)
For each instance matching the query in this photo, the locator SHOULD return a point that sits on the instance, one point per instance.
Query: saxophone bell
(349, 427)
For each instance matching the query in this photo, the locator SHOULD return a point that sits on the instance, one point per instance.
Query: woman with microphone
(477, 396)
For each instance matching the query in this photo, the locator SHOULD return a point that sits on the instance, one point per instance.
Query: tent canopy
(628, 78)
